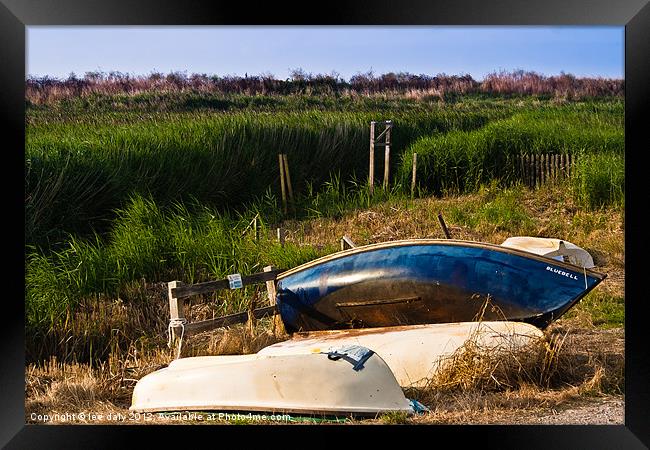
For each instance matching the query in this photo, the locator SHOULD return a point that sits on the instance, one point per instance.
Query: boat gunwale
(250, 408)
(452, 242)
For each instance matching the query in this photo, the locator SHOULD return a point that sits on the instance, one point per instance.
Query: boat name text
(561, 272)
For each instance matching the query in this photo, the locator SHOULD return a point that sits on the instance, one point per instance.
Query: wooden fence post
(282, 184)
(288, 179)
(443, 225)
(176, 315)
(346, 243)
(281, 235)
(256, 227)
(278, 326)
(389, 125)
(413, 175)
(371, 175)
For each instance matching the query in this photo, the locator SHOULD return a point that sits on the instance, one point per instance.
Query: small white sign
(235, 281)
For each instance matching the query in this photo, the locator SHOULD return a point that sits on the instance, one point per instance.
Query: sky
(589, 51)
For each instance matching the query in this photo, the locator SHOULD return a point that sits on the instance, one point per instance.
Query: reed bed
(461, 161)
(77, 173)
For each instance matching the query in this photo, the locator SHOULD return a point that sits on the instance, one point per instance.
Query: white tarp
(552, 248)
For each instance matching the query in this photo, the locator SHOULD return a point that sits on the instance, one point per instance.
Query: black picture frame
(16, 15)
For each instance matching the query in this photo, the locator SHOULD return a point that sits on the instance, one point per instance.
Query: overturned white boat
(414, 353)
(346, 380)
(552, 248)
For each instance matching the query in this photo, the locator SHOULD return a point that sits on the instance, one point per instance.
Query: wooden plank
(413, 175)
(381, 135)
(387, 158)
(532, 171)
(211, 286)
(533, 180)
(282, 184)
(232, 319)
(347, 243)
(552, 169)
(527, 170)
(562, 163)
(568, 164)
(288, 178)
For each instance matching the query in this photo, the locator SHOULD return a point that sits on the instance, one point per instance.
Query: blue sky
(234, 50)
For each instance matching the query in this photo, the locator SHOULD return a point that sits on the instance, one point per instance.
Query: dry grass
(568, 367)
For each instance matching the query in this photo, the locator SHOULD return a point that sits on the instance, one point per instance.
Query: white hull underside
(298, 383)
(416, 352)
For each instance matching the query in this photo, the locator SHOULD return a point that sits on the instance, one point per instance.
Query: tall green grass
(600, 179)
(78, 172)
(147, 244)
(462, 161)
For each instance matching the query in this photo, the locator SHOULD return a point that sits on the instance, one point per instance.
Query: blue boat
(427, 281)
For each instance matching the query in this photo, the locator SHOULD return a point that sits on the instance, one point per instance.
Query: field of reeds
(133, 182)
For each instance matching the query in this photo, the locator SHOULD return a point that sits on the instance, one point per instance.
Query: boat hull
(299, 383)
(428, 281)
(415, 353)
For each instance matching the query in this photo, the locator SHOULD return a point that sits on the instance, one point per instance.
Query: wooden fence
(537, 169)
(177, 292)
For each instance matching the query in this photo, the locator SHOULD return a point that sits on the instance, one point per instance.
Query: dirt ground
(596, 411)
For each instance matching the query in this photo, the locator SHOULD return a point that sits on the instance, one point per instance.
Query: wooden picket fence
(537, 169)
(178, 292)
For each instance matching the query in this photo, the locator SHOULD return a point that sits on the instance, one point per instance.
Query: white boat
(552, 248)
(415, 352)
(354, 381)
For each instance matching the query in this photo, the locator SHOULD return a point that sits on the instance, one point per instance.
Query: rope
(173, 323)
(585, 271)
